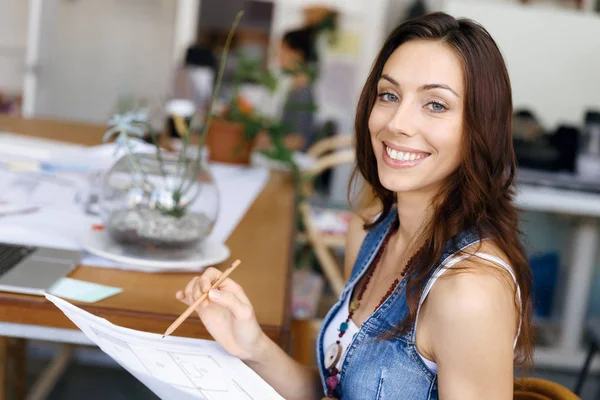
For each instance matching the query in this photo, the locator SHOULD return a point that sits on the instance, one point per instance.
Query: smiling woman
(417, 117)
(438, 299)
(433, 144)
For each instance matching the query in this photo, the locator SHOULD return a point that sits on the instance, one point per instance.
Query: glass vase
(159, 200)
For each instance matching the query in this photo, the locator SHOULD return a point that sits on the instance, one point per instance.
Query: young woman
(297, 55)
(438, 299)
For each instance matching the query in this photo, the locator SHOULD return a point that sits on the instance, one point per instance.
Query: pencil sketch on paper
(173, 368)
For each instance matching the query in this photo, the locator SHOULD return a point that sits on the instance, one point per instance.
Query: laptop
(33, 270)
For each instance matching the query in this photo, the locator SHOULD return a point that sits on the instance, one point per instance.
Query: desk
(585, 209)
(263, 240)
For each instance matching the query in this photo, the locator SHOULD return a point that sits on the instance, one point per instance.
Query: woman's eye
(387, 97)
(436, 107)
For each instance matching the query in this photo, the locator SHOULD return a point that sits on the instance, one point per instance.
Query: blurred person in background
(298, 58)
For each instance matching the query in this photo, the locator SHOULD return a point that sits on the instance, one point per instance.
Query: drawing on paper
(174, 368)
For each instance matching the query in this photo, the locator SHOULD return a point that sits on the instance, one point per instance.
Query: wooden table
(262, 240)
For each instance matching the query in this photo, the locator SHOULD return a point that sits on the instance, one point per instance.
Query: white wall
(558, 4)
(13, 41)
(185, 28)
(553, 55)
(93, 50)
(396, 12)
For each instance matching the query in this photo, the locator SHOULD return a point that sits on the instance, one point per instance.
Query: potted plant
(160, 199)
(236, 126)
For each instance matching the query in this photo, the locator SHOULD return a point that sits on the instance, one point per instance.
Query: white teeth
(403, 155)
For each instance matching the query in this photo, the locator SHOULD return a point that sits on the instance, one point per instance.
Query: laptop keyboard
(11, 255)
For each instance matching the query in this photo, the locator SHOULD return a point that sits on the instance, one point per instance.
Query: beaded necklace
(334, 351)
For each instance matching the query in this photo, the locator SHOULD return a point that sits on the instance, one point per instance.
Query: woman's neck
(414, 210)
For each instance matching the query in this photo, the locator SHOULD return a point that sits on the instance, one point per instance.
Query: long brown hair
(479, 194)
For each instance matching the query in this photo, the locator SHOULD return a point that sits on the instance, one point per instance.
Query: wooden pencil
(193, 307)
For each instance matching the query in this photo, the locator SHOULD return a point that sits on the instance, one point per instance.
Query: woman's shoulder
(481, 282)
(471, 317)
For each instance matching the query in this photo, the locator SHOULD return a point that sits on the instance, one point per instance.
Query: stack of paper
(173, 368)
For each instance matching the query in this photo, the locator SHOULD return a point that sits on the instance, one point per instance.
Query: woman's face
(416, 124)
(288, 57)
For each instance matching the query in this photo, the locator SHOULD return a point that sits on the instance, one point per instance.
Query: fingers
(189, 291)
(207, 278)
(202, 284)
(240, 310)
(210, 276)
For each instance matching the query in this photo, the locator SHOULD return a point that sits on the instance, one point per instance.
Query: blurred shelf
(540, 198)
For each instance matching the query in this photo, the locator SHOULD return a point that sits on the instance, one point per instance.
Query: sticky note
(82, 291)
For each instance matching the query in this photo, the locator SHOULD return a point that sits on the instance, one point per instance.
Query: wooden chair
(541, 389)
(327, 153)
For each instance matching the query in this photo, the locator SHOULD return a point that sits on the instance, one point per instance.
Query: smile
(404, 155)
(403, 158)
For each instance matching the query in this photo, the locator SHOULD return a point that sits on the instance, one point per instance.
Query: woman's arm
(230, 319)
(291, 379)
(468, 327)
(270, 354)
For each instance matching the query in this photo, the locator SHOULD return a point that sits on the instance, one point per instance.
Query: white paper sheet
(41, 189)
(238, 188)
(51, 227)
(172, 367)
(32, 147)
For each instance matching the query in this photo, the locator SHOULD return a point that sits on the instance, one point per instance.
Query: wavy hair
(479, 194)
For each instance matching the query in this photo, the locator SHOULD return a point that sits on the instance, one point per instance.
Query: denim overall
(388, 369)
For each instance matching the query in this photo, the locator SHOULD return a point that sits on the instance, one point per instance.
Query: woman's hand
(227, 314)
(229, 318)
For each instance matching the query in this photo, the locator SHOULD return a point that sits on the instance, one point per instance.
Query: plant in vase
(238, 123)
(159, 199)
